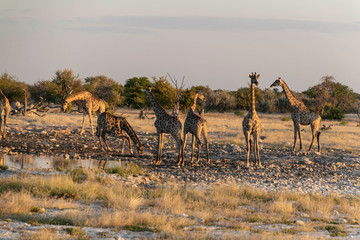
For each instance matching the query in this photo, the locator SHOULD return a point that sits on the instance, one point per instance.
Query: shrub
(239, 113)
(333, 113)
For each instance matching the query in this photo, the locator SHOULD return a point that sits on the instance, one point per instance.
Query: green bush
(333, 113)
(239, 113)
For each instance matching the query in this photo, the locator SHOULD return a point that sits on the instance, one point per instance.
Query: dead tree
(176, 101)
(18, 109)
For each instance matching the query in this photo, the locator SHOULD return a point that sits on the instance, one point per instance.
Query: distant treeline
(330, 98)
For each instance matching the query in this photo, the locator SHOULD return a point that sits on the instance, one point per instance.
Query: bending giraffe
(165, 123)
(301, 115)
(251, 123)
(114, 125)
(196, 125)
(4, 107)
(90, 104)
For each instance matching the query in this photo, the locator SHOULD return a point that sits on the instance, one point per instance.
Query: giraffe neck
(294, 102)
(2, 95)
(158, 109)
(252, 100)
(77, 96)
(193, 107)
(129, 130)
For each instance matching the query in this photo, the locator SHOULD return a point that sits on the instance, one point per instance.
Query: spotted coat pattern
(115, 126)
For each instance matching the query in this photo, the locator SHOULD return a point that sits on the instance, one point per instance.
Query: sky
(209, 42)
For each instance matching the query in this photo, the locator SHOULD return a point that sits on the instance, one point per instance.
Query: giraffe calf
(114, 125)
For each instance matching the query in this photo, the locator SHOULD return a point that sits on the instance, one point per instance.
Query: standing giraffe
(114, 125)
(165, 123)
(251, 123)
(90, 104)
(301, 115)
(4, 107)
(196, 125)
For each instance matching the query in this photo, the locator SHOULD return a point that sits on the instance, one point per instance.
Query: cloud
(216, 24)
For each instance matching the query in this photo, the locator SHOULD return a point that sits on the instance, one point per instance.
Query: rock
(300, 223)
(184, 215)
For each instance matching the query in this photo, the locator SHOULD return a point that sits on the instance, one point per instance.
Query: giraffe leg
(205, 136)
(192, 147)
(199, 147)
(90, 118)
(318, 140)
(256, 148)
(83, 123)
(129, 140)
(160, 146)
(296, 129)
(314, 133)
(107, 145)
(1, 126)
(122, 145)
(99, 134)
(183, 149)
(247, 139)
(5, 123)
(180, 144)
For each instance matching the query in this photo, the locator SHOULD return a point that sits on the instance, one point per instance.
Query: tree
(220, 100)
(65, 79)
(106, 89)
(133, 91)
(164, 92)
(243, 97)
(12, 88)
(45, 89)
(332, 98)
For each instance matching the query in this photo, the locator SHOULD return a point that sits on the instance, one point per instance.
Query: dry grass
(167, 208)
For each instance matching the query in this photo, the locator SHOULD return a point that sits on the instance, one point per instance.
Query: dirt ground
(335, 170)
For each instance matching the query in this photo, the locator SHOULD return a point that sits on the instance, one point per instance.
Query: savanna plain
(114, 195)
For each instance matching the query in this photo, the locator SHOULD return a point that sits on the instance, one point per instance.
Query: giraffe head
(199, 95)
(254, 78)
(65, 106)
(278, 82)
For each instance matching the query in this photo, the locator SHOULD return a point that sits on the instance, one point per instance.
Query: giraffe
(114, 125)
(251, 123)
(196, 125)
(4, 107)
(301, 115)
(165, 123)
(90, 104)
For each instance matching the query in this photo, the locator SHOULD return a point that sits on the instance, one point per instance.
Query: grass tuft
(4, 167)
(130, 169)
(76, 232)
(285, 119)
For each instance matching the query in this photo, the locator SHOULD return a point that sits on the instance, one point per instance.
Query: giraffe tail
(130, 131)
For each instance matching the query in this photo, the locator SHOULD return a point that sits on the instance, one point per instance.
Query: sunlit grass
(167, 208)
